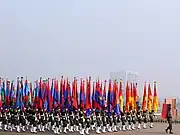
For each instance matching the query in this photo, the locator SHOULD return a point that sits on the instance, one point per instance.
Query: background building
(125, 75)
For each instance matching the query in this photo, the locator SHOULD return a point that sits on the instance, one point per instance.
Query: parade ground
(159, 129)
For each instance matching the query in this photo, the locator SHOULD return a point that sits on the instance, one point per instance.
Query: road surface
(159, 129)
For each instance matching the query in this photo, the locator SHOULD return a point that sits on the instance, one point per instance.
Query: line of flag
(88, 95)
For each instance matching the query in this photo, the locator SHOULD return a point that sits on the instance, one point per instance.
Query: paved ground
(157, 130)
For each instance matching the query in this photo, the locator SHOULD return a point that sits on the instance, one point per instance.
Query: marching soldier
(129, 119)
(93, 120)
(98, 118)
(139, 117)
(56, 121)
(33, 121)
(1, 119)
(71, 120)
(114, 121)
(123, 119)
(110, 121)
(38, 115)
(119, 121)
(22, 120)
(64, 121)
(144, 118)
(51, 121)
(151, 117)
(28, 116)
(4, 120)
(76, 120)
(46, 119)
(133, 119)
(42, 120)
(104, 120)
(88, 123)
(81, 121)
(8, 113)
(17, 120)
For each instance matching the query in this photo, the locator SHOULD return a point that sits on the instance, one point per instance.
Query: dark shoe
(166, 130)
(171, 132)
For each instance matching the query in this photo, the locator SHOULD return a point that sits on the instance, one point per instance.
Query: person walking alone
(169, 119)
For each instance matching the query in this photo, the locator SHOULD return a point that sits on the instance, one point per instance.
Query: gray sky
(81, 38)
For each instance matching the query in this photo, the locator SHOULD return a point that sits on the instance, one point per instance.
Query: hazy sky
(92, 37)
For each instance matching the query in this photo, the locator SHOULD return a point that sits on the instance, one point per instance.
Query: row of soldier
(77, 120)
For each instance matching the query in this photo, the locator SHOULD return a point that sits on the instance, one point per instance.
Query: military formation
(75, 120)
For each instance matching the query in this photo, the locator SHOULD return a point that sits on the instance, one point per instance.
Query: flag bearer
(71, 121)
(123, 119)
(64, 121)
(93, 120)
(110, 121)
(129, 119)
(139, 117)
(133, 115)
(33, 121)
(51, 121)
(88, 123)
(56, 120)
(98, 118)
(46, 118)
(4, 120)
(81, 122)
(17, 120)
(144, 118)
(22, 120)
(1, 119)
(76, 120)
(114, 121)
(151, 117)
(119, 121)
(104, 120)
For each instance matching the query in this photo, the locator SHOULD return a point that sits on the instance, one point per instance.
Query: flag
(74, 94)
(93, 96)
(55, 94)
(88, 94)
(150, 99)
(128, 97)
(30, 95)
(12, 94)
(26, 92)
(121, 95)
(132, 96)
(155, 99)
(0, 92)
(144, 102)
(104, 95)
(69, 96)
(98, 95)
(135, 95)
(117, 104)
(110, 98)
(19, 94)
(49, 96)
(114, 93)
(3, 93)
(82, 94)
(36, 94)
(7, 93)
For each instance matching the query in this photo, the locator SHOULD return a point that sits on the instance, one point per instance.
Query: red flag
(74, 94)
(88, 93)
(127, 97)
(144, 102)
